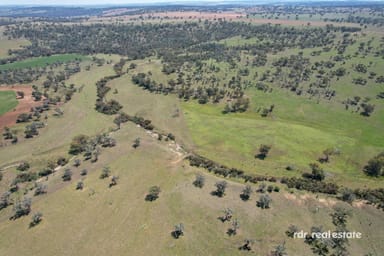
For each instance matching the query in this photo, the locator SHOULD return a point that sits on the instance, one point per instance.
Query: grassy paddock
(7, 101)
(42, 61)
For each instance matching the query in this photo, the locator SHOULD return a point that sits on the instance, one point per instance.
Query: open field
(41, 61)
(121, 213)
(7, 44)
(22, 105)
(7, 101)
(211, 88)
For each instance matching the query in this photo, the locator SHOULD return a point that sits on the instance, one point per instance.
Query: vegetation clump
(246, 193)
(199, 181)
(153, 193)
(220, 188)
(375, 166)
(36, 219)
(263, 151)
(264, 202)
(105, 172)
(21, 208)
(178, 231)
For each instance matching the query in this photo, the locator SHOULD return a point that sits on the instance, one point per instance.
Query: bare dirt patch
(191, 15)
(9, 119)
(297, 22)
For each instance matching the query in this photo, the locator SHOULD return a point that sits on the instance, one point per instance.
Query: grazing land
(192, 130)
(41, 61)
(7, 101)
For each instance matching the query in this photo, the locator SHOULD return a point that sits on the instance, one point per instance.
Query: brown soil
(8, 119)
(189, 15)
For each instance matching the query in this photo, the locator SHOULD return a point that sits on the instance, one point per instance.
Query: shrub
(262, 188)
(179, 231)
(263, 151)
(21, 208)
(311, 185)
(80, 185)
(23, 166)
(40, 189)
(347, 195)
(220, 188)
(292, 229)
(199, 181)
(45, 172)
(113, 181)
(105, 172)
(246, 193)
(234, 227)
(24, 117)
(228, 213)
(77, 163)
(375, 166)
(171, 136)
(153, 193)
(136, 143)
(25, 177)
(264, 201)
(67, 176)
(317, 172)
(36, 219)
(5, 200)
(246, 245)
(62, 161)
(83, 172)
(78, 144)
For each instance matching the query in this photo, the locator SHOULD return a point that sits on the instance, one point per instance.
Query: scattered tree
(153, 193)
(367, 109)
(36, 219)
(347, 195)
(105, 172)
(40, 189)
(220, 188)
(292, 229)
(83, 172)
(262, 188)
(375, 166)
(339, 216)
(317, 172)
(235, 225)
(113, 181)
(263, 151)
(5, 200)
(228, 213)
(67, 176)
(80, 185)
(199, 181)
(246, 193)
(179, 231)
(247, 245)
(62, 161)
(279, 250)
(136, 143)
(77, 162)
(21, 208)
(23, 166)
(264, 201)
(78, 144)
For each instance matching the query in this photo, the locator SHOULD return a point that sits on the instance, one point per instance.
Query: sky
(122, 2)
(93, 2)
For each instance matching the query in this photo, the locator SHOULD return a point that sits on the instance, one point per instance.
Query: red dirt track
(24, 106)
